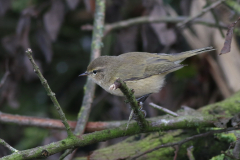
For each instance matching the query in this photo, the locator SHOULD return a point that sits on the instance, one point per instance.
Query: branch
(49, 92)
(97, 35)
(164, 110)
(163, 124)
(54, 123)
(129, 94)
(185, 122)
(95, 52)
(213, 5)
(186, 140)
(148, 19)
(2, 142)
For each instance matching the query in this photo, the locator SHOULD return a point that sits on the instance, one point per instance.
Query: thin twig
(90, 86)
(129, 119)
(2, 142)
(5, 75)
(49, 92)
(205, 10)
(129, 94)
(164, 110)
(186, 140)
(147, 19)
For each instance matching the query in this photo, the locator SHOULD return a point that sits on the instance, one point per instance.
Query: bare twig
(97, 35)
(205, 10)
(186, 140)
(164, 110)
(2, 142)
(5, 75)
(54, 123)
(130, 118)
(129, 94)
(49, 92)
(147, 19)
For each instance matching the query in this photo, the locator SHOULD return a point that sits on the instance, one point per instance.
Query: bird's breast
(141, 87)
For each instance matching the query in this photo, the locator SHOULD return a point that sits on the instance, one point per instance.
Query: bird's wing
(157, 65)
(147, 67)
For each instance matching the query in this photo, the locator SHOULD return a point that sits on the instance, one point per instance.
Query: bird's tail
(179, 57)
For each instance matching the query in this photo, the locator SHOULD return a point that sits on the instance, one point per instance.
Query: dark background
(52, 29)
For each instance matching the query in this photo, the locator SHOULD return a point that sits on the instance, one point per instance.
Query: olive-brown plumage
(143, 72)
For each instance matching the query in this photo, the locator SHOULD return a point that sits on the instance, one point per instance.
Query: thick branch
(129, 94)
(186, 140)
(186, 122)
(182, 122)
(205, 10)
(49, 92)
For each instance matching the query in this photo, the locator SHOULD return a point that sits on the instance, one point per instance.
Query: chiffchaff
(143, 72)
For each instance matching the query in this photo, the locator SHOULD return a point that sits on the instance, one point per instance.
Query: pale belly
(141, 87)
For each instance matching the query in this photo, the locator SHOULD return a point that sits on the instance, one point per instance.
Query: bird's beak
(84, 74)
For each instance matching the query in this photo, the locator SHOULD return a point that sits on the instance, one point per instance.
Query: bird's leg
(141, 100)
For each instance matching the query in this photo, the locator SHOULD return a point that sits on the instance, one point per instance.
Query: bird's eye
(94, 72)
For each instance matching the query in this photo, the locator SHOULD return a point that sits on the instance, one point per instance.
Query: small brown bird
(143, 72)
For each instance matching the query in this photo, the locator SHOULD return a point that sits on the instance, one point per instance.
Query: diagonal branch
(2, 142)
(129, 94)
(49, 92)
(167, 111)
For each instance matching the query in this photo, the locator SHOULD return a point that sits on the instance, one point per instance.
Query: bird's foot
(144, 113)
(113, 87)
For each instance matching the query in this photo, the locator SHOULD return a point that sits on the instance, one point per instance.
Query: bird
(144, 72)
